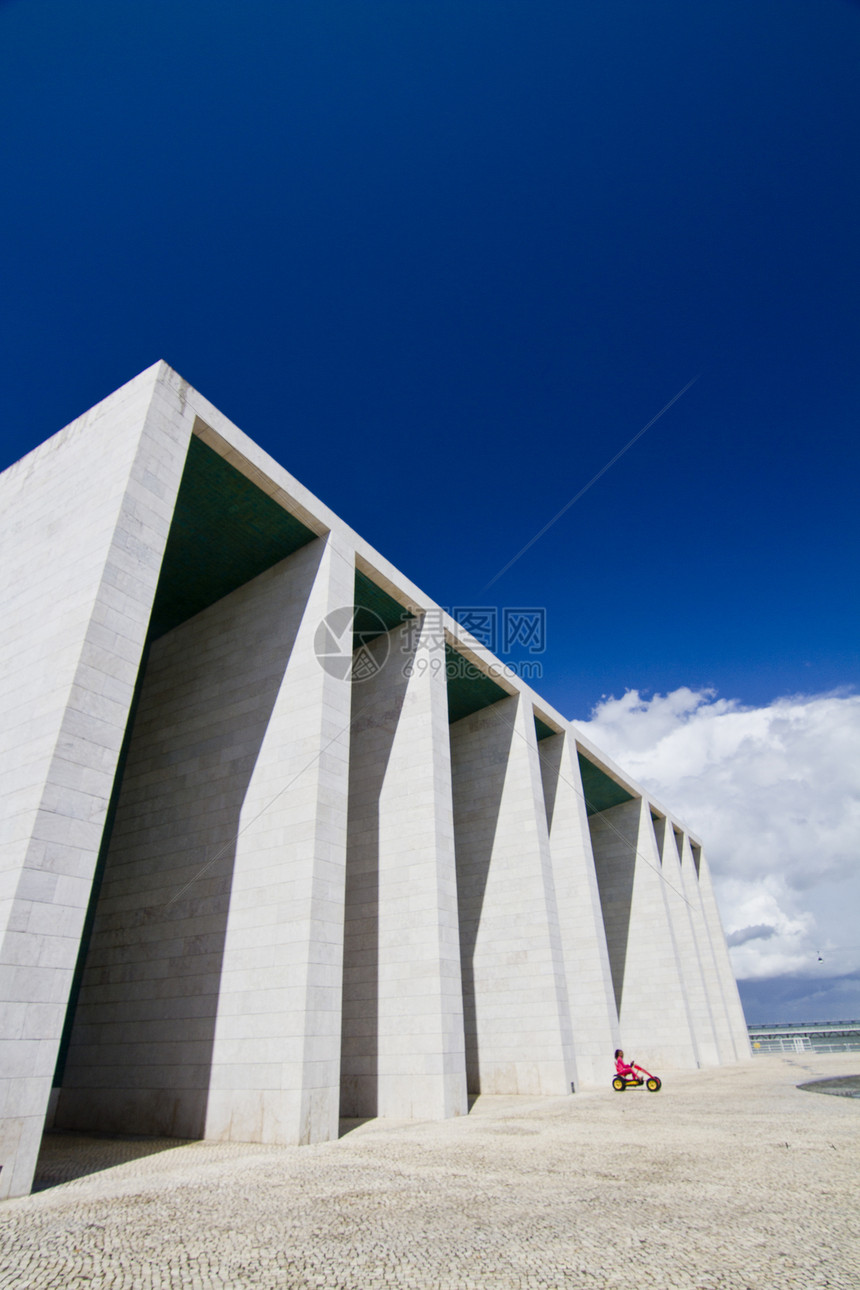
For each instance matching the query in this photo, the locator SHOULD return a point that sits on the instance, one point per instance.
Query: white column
(593, 1015)
(652, 1008)
(518, 1036)
(85, 520)
(734, 1010)
(681, 920)
(276, 1055)
(403, 1051)
(704, 944)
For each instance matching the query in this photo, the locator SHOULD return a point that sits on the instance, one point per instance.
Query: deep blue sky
(443, 259)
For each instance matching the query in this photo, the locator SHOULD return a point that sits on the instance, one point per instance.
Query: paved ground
(733, 1179)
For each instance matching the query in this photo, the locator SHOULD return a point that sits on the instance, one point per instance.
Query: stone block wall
(649, 987)
(403, 1015)
(681, 912)
(517, 1020)
(593, 1015)
(194, 1005)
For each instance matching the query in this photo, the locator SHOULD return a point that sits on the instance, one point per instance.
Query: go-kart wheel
(619, 1084)
(654, 1084)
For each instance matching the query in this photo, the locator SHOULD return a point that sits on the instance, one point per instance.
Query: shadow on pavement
(348, 1124)
(844, 1086)
(65, 1156)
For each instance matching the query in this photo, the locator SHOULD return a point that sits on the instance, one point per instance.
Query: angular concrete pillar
(210, 1001)
(681, 920)
(593, 1015)
(402, 1011)
(276, 1056)
(85, 519)
(711, 978)
(518, 1035)
(649, 990)
(734, 1010)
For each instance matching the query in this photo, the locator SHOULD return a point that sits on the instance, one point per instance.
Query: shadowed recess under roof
(225, 531)
(542, 730)
(599, 789)
(375, 611)
(469, 689)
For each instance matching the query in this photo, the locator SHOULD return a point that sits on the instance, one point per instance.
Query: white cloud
(773, 793)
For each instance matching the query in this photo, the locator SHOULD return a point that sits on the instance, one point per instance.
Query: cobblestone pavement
(726, 1179)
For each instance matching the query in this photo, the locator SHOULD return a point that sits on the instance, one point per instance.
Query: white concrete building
(281, 841)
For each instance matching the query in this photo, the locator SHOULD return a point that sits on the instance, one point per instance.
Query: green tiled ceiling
(375, 611)
(600, 791)
(543, 730)
(225, 531)
(469, 689)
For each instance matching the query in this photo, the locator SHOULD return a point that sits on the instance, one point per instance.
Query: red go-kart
(652, 1082)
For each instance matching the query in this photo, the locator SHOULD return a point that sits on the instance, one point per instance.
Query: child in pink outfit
(621, 1067)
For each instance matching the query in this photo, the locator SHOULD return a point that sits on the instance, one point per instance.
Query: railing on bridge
(814, 1037)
